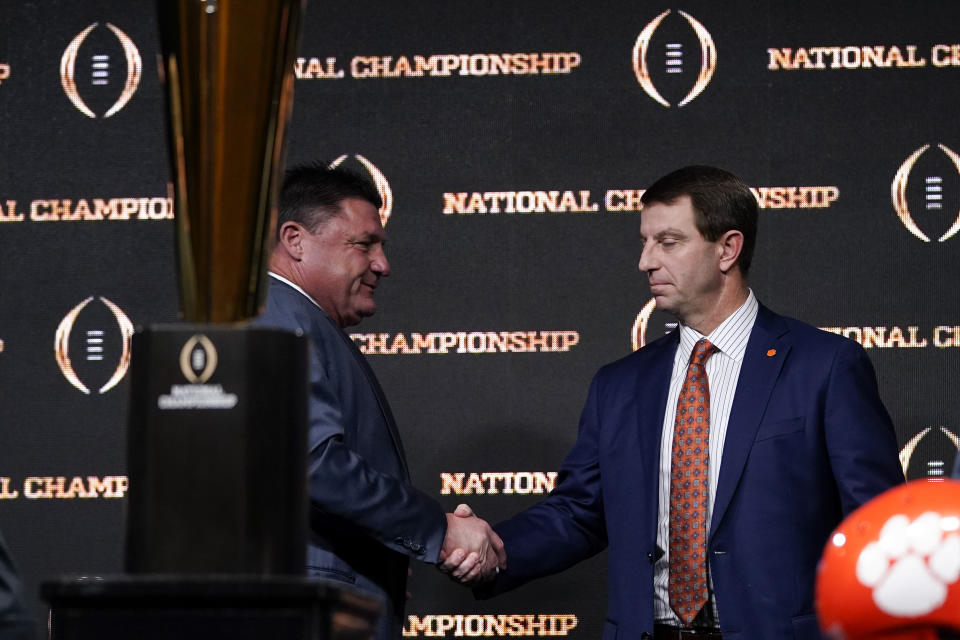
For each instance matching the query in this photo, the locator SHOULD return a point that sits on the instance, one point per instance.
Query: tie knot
(701, 351)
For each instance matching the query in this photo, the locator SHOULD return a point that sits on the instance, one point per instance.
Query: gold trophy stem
(229, 74)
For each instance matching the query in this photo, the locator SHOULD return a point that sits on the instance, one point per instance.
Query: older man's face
(344, 261)
(683, 268)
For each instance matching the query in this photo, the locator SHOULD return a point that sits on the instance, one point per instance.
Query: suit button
(646, 636)
(650, 558)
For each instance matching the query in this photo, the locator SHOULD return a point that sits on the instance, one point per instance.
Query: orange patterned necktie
(689, 485)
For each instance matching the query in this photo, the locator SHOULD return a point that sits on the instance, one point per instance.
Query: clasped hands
(472, 552)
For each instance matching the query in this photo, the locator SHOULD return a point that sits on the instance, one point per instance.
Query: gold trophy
(217, 506)
(217, 438)
(229, 75)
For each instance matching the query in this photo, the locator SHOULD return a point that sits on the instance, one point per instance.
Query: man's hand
(472, 552)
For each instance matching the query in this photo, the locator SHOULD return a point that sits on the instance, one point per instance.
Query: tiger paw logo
(911, 566)
(100, 70)
(674, 57)
(926, 193)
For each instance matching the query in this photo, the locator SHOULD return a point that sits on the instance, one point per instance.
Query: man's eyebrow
(671, 232)
(369, 236)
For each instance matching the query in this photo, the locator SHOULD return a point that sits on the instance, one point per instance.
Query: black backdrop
(820, 106)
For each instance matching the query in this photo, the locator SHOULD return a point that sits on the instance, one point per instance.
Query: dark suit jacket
(15, 623)
(808, 441)
(366, 519)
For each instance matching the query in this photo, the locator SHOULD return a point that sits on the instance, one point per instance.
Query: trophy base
(208, 608)
(217, 451)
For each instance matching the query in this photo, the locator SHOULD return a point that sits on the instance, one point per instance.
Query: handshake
(472, 552)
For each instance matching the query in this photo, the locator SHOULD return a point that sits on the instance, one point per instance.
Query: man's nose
(646, 259)
(379, 264)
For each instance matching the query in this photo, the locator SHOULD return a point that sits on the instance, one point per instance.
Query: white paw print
(910, 567)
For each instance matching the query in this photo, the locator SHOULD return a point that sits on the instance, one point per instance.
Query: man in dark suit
(715, 461)
(366, 519)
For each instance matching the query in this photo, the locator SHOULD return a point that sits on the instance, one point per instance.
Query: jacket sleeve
(860, 437)
(566, 527)
(344, 485)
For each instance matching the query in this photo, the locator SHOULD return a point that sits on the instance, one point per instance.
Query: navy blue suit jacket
(808, 441)
(366, 519)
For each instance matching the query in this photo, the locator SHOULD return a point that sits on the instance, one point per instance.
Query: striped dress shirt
(723, 371)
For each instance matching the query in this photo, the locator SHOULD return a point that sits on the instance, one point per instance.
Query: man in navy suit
(366, 519)
(796, 437)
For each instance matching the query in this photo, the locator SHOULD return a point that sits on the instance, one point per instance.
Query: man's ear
(730, 245)
(291, 239)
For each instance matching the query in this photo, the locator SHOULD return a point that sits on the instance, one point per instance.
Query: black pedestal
(207, 607)
(217, 451)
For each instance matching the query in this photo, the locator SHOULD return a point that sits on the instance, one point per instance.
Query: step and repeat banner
(511, 143)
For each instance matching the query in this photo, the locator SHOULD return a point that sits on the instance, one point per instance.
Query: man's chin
(366, 310)
(663, 302)
(357, 315)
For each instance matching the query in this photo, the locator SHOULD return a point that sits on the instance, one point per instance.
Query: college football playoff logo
(198, 359)
(673, 59)
(934, 194)
(647, 319)
(379, 180)
(933, 443)
(97, 71)
(97, 344)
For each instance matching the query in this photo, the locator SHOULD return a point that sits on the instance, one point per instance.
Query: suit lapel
(762, 362)
(378, 393)
(653, 386)
(312, 309)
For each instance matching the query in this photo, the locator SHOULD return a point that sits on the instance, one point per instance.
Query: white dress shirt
(297, 288)
(723, 371)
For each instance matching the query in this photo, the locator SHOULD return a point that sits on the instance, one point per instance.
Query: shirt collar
(295, 287)
(730, 337)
